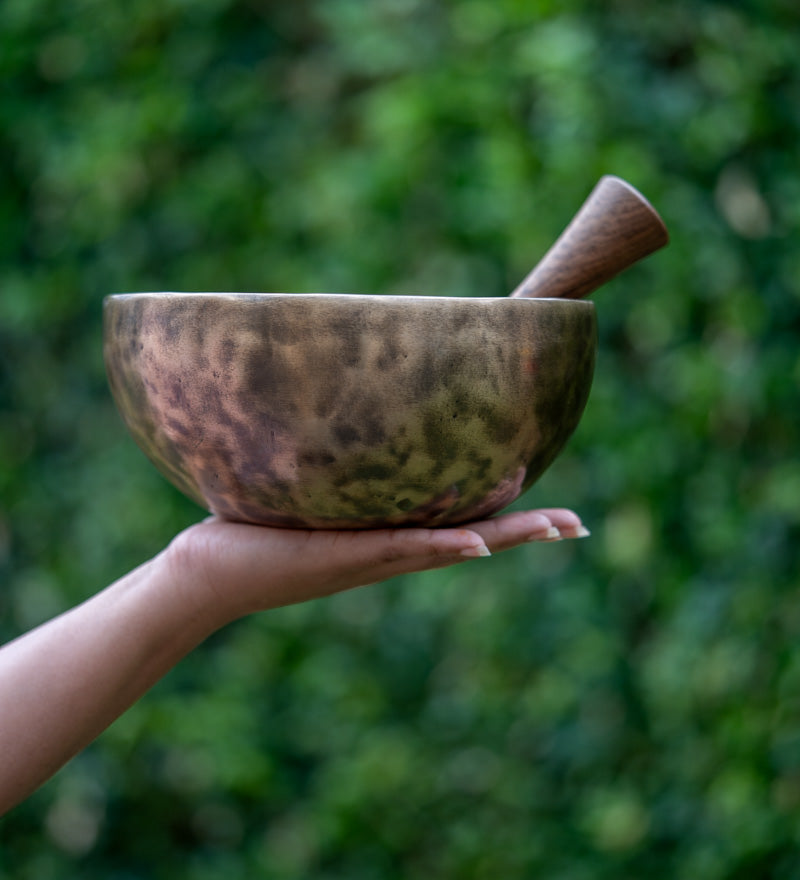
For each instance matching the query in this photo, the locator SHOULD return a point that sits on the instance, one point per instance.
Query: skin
(64, 682)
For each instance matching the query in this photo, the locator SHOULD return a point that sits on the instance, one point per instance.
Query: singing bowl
(349, 411)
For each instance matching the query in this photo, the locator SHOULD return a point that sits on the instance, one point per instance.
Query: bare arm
(63, 683)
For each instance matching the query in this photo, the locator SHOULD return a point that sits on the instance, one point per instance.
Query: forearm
(65, 682)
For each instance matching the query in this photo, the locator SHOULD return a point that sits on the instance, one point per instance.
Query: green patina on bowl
(339, 411)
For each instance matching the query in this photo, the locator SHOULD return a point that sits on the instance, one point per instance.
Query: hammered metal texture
(337, 411)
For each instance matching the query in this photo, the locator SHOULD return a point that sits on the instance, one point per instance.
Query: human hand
(236, 569)
(64, 682)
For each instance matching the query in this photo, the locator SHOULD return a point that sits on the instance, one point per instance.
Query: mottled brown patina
(336, 411)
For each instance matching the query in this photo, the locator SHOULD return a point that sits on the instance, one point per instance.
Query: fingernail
(474, 552)
(578, 532)
(552, 534)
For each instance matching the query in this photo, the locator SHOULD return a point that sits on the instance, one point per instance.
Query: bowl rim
(258, 296)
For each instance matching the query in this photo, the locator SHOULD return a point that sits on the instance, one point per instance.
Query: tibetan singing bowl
(340, 411)
(344, 411)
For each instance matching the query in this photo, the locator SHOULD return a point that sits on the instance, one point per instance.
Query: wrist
(188, 567)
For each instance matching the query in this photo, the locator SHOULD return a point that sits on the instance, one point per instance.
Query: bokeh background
(625, 706)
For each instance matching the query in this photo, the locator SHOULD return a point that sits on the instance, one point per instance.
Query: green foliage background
(626, 706)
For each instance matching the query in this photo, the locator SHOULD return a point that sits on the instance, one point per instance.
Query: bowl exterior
(336, 411)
